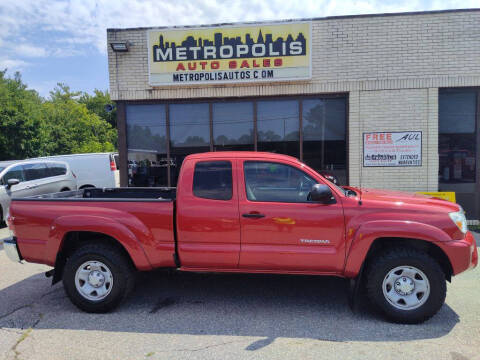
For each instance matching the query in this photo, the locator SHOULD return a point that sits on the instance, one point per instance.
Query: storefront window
(324, 136)
(457, 140)
(278, 131)
(233, 126)
(457, 147)
(146, 145)
(189, 133)
(278, 127)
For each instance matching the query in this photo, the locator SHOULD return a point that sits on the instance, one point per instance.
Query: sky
(52, 41)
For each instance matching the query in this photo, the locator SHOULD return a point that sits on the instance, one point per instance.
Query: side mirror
(12, 182)
(320, 193)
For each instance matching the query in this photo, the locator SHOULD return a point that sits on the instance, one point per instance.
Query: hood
(406, 199)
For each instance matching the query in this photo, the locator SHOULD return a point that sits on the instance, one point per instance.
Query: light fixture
(120, 46)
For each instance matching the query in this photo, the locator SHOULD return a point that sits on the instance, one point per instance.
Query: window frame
(213, 161)
(277, 163)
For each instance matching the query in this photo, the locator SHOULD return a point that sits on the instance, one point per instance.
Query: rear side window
(213, 180)
(35, 171)
(55, 169)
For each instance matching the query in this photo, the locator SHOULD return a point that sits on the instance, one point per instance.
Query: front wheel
(407, 285)
(97, 278)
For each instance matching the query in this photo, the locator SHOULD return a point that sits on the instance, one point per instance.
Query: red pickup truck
(247, 212)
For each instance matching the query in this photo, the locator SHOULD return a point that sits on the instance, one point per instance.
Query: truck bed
(109, 194)
(142, 219)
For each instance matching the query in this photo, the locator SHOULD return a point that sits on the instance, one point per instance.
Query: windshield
(1, 169)
(342, 190)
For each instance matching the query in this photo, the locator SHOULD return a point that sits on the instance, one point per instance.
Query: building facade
(382, 101)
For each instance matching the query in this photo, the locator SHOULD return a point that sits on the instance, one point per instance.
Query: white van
(92, 170)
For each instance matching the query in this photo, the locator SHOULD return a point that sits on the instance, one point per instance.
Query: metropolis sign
(230, 54)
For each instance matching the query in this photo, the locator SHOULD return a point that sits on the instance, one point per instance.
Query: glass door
(148, 162)
(458, 147)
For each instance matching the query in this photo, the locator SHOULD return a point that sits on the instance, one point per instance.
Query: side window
(35, 171)
(14, 173)
(213, 180)
(275, 182)
(56, 169)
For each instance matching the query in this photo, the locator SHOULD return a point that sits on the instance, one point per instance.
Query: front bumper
(11, 249)
(462, 254)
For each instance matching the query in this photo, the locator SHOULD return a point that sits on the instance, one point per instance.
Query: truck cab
(253, 211)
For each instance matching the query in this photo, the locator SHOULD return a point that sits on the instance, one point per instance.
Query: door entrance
(458, 147)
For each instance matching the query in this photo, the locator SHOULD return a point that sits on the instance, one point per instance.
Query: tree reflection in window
(324, 136)
(233, 125)
(189, 133)
(147, 145)
(278, 126)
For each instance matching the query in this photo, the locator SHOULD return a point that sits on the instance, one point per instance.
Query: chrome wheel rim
(406, 287)
(94, 280)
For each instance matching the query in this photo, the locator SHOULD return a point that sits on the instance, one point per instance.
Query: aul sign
(392, 148)
(240, 53)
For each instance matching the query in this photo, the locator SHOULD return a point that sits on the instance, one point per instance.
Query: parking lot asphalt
(213, 316)
(3, 234)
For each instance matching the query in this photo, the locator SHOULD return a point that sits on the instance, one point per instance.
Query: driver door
(281, 230)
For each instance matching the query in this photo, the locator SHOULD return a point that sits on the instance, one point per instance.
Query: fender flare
(368, 232)
(98, 224)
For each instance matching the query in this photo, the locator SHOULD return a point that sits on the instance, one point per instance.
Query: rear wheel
(407, 285)
(97, 278)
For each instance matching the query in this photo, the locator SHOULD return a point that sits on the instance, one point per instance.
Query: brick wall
(391, 66)
(395, 110)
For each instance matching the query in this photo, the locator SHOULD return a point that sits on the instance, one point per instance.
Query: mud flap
(353, 290)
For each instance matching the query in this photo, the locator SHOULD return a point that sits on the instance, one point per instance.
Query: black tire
(120, 267)
(382, 264)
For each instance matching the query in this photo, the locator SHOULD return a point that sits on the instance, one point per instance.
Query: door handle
(253, 215)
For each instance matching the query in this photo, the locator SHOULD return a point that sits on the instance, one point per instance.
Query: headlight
(459, 219)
